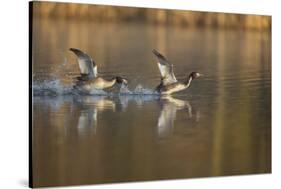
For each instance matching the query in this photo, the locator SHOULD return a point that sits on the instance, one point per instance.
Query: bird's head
(121, 80)
(195, 75)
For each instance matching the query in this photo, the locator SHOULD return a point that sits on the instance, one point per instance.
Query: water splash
(55, 87)
(139, 90)
(49, 88)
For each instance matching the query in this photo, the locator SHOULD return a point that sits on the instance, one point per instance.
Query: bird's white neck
(188, 82)
(113, 81)
(109, 83)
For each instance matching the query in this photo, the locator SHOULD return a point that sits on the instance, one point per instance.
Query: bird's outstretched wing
(166, 69)
(88, 68)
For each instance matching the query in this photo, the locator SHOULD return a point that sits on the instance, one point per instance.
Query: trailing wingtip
(72, 49)
(76, 51)
(155, 52)
(159, 55)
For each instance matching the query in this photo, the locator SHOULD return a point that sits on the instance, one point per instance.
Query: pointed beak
(125, 82)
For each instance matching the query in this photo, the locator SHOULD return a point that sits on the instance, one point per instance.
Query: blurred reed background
(156, 16)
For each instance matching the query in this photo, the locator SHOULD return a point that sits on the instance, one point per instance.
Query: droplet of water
(124, 90)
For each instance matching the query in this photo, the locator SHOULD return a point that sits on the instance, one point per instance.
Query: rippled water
(220, 126)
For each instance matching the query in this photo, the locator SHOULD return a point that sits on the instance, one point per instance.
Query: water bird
(169, 84)
(89, 79)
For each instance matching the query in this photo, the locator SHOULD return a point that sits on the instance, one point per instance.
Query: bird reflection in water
(85, 111)
(89, 107)
(169, 107)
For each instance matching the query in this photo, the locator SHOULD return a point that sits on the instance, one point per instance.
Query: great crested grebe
(169, 84)
(89, 79)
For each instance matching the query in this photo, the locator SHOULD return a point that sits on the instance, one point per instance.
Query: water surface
(220, 126)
